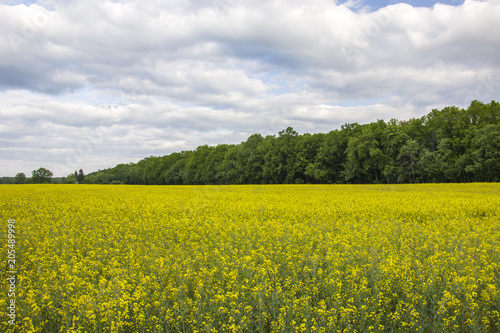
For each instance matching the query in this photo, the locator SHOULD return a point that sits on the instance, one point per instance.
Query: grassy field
(275, 258)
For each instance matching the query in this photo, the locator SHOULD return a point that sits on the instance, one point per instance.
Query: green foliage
(41, 175)
(70, 179)
(80, 176)
(20, 178)
(486, 153)
(7, 180)
(449, 145)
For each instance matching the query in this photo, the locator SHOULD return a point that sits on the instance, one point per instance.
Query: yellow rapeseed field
(270, 258)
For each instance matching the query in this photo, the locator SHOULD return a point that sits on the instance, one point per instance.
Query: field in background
(271, 258)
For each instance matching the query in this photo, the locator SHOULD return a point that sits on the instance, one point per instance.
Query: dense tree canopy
(20, 178)
(448, 145)
(41, 175)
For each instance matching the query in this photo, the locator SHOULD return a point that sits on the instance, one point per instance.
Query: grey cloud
(171, 75)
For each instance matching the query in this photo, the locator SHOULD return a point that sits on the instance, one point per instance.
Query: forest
(448, 145)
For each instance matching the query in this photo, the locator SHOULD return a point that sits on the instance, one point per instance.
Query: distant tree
(174, 174)
(69, 179)
(196, 166)
(20, 178)
(365, 158)
(408, 156)
(243, 164)
(307, 149)
(80, 177)
(435, 166)
(329, 164)
(486, 154)
(393, 139)
(280, 161)
(41, 175)
(7, 180)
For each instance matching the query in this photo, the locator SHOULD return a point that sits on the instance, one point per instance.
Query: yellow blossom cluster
(254, 258)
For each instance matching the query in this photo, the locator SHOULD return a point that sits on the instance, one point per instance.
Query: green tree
(434, 166)
(408, 157)
(229, 167)
(194, 170)
(365, 159)
(70, 179)
(307, 149)
(214, 172)
(174, 174)
(151, 170)
(41, 175)
(279, 162)
(80, 177)
(486, 154)
(329, 164)
(248, 158)
(393, 139)
(20, 178)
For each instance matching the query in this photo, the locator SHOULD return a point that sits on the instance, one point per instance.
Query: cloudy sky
(93, 83)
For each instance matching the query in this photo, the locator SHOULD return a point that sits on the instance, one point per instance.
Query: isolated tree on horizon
(41, 175)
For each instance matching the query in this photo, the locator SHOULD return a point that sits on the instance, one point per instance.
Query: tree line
(448, 145)
(44, 176)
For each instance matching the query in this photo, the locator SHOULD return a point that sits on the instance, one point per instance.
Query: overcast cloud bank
(89, 84)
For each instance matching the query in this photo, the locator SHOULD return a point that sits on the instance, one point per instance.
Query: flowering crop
(270, 258)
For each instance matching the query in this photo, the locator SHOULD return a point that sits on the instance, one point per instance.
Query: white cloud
(172, 75)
